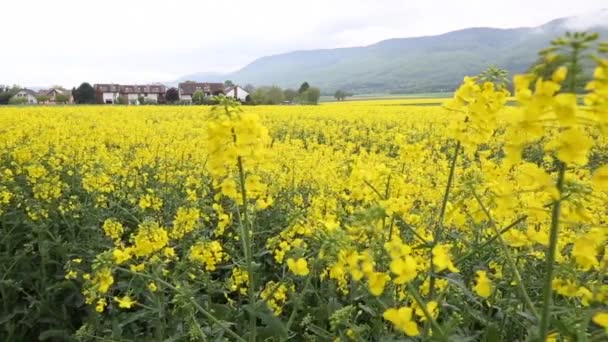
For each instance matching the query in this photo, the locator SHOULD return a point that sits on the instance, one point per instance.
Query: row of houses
(47, 96)
(111, 93)
(134, 94)
(157, 93)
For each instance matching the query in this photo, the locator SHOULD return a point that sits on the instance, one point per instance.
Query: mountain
(410, 65)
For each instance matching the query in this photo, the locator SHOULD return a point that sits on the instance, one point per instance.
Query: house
(153, 93)
(107, 93)
(110, 93)
(52, 95)
(237, 93)
(28, 94)
(187, 89)
(130, 92)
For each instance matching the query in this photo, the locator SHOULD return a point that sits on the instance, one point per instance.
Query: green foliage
(228, 83)
(84, 94)
(496, 75)
(172, 95)
(268, 95)
(62, 98)
(141, 99)
(38, 303)
(557, 56)
(304, 87)
(7, 92)
(290, 95)
(274, 95)
(123, 100)
(341, 95)
(310, 96)
(198, 97)
(17, 101)
(42, 98)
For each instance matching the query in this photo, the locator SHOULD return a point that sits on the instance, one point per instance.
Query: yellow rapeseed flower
(125, 302)
(402, 320)
(298, 266)
(483, 285)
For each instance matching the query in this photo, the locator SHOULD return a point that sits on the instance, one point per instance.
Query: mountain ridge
(431, 63)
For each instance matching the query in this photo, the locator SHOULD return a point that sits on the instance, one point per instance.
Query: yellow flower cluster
(208, 254)
(238, 281)
(275, 295)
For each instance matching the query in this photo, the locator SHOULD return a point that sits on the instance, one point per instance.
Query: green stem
(427, 314)
(510, 261)
(550, 260)
(192, 301)
(490, 240)
(439, 227)
(245, 228)
(298, 303)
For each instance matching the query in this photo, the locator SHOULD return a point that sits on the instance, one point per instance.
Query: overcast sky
(136, 41)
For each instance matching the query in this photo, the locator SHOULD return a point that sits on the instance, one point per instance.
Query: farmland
(364, 220)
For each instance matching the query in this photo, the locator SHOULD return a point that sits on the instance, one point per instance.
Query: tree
(258, 96)
(249, 88)
(17, 100)
(290, 95)
(123, 100)
(304, 87)
(6, 93)
(198, 97)
(274, 95)
(62, 98)
(141, 99)
(311, 96)
(84, 94)
(248, 100)
(172, 95)
(42, 98)
(340, 95)
(228, 83)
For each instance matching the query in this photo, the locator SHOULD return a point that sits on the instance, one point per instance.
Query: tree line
(263, 95)
(272, 95)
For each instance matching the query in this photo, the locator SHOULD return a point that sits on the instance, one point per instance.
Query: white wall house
(186, 98)
(27, 94)
(151, 97)
(109, 93)
(109, 97)
(237, 93)
(187, 89)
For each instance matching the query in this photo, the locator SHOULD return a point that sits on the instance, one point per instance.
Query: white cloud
(588, 20)
(70, 41)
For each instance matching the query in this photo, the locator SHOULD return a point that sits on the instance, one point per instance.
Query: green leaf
(492, 334)
(48, 334)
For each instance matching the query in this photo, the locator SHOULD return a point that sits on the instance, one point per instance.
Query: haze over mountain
(410, 65)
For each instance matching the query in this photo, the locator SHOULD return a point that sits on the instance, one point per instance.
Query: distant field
(384, 96)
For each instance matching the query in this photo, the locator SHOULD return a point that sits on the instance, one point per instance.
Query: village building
(237, 93)
(187, 89)
(106, 93)
(27, 94)
(132, 94)
(52, 95)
